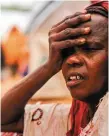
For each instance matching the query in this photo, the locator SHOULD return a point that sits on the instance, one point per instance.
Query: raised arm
(14, 101)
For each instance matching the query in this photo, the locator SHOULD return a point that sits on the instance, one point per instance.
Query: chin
(78, 94)
(79, 97)
(88, 98)
(83, 95)
(87, 93)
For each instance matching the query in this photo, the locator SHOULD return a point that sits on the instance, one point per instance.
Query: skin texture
(17, 97)
(59, 39)
(91, 61)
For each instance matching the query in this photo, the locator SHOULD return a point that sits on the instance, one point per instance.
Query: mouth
(75, 79)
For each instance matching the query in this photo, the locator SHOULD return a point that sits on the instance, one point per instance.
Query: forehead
(99, 28)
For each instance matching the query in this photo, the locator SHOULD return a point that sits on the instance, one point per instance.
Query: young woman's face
(85, 68)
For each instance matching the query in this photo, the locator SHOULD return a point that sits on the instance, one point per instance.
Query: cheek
(99, 65)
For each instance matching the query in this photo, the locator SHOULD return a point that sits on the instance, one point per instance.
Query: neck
(93, 102)
(92, 109)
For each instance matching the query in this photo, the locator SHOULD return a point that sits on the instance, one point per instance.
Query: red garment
(79, 117)
(101, 3)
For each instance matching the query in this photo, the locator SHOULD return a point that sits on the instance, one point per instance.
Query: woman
(78, 46)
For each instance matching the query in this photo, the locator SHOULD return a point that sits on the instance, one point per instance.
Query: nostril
(74, 62)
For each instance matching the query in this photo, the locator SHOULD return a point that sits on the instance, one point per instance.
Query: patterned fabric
(46, 119)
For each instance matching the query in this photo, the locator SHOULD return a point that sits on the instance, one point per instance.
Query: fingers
(70, 16)
(68, 43)
(69, 32)
(71, 22)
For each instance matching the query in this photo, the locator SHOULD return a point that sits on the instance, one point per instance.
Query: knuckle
(75, 41)
(81, 41)
(67, 31)
(67, 17)
(67, 21)
(83, 17)
(53, 26)
(77, 14)
(76, 32)
(53, 45)
(51, 31)
(51, 38)
(68, 42)
(81, 30)
(79, 19)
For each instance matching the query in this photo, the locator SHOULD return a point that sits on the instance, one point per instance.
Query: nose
(75, 60)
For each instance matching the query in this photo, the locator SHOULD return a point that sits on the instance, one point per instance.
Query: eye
(67, 52)
(93, 47)
(90, 49)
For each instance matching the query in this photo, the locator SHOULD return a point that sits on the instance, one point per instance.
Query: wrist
(49, 69)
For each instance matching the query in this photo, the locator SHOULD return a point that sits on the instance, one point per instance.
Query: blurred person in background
(79, 46)
(9, 74)
(15, 49)
(15, 57)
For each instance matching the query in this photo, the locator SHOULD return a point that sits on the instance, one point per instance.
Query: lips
(75, 79)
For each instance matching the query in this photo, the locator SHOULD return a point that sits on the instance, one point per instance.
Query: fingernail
(82, 40)
(87, 16)
(86, 30)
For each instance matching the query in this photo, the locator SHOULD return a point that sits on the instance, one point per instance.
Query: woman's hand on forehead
(70, 22)
(64, 35)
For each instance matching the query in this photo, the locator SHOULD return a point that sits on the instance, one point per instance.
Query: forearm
(17, 126)
(14, 101)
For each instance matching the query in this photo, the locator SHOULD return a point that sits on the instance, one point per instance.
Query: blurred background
(24, 43)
